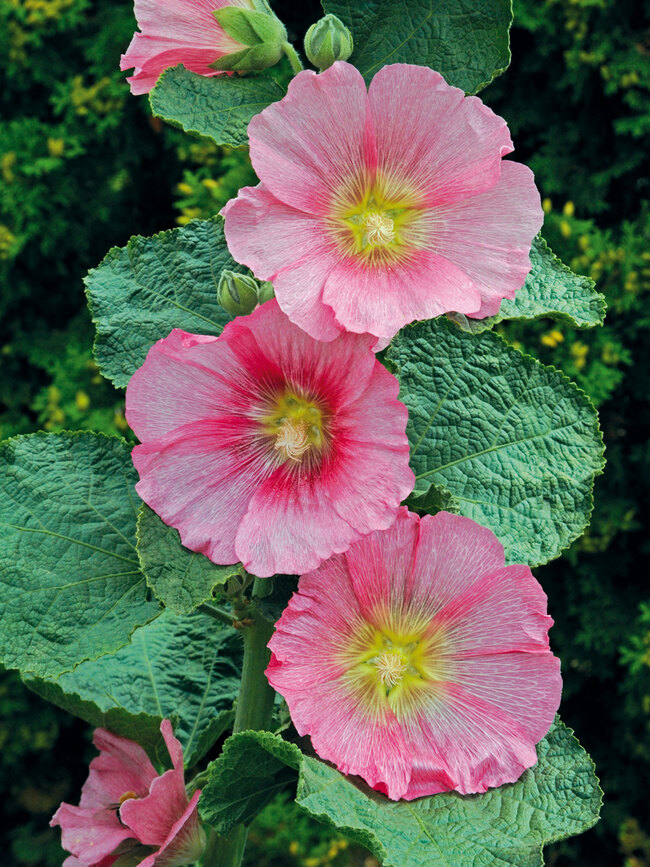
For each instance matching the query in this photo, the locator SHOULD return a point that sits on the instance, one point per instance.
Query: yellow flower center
(296, 424)
(395, 666)
(392, 665)
(126, 796)
(376, 225)
(379, 229)
(292, 440)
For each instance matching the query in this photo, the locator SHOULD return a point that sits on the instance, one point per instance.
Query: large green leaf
(138, 293)
(251, 770)
(71, 588)
(180, 578)
(516, 443)
(467, 42)
(181, 668)
(551, 291)
(218, 108)
(509, 825)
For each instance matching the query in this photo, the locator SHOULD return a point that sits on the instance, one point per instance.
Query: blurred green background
(83, 166)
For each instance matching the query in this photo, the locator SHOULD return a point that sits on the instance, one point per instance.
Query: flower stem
(219, 614)
(255, 703)
(254, 712)
(294, 60)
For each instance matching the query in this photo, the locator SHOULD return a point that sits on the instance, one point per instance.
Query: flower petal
(88, 833)
(121, 766)
(287, 247)
(338, 372)
(173, 32)
(502, 612)
(453, 552)
(489, 236)
(185, 842)
(442, 145)
(290, 526)
(198, 485)
(381, 566)
(185, 378)
(381, 299)
(316, 140)
(465, 742)
(152, 818)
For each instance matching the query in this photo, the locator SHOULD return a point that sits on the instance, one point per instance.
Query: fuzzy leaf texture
(181, 579)
(516, 443)
(218, 108)
(182, 668)
(551, 291)
(138, 293)
(505, 827)
(467, 42)
(252, 769)
(71, 588)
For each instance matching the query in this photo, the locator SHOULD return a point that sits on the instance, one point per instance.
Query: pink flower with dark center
(267, 446)
(177, 31)
(382, 207)
(419, 660)
(128, 813)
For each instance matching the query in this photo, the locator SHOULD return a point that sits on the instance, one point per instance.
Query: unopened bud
(260, 33)
(327, 41)
(239, 294)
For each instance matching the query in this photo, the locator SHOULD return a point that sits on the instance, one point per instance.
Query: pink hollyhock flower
(128, 814)
(177, 31)
(419, 660)
(267, 446)
(378, 208)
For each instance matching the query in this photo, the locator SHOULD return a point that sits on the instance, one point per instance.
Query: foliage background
(83, 166)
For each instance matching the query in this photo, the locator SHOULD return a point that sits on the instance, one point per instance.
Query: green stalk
(219, 614)
(254, 712)
(294, 60)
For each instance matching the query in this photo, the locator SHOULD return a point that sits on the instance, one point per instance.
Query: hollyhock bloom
(267, 446)
(419, 660)
(128, 813)
(381, 207)
(177, 31)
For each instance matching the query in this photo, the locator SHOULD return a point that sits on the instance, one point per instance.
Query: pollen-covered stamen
(391, 666)
(292, 439)
(379, 230)
(126, 796)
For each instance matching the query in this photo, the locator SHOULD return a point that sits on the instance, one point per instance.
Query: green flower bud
(261, 35)
(327, 41)
(239, 294)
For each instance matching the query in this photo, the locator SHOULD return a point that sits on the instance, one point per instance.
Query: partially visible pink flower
(382, 207)
(267, 446)
(128, 812)
(177, 31)
(419, 660)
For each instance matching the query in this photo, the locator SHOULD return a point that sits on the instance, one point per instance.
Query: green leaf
(467, 42)
(509, 825)
(180, 578)
(71, 588)
(551, 291)
(252, 769)
(180, 668)
(138, 293)
(515, 442)
(434, 499)
(218, 108)
(556, 799)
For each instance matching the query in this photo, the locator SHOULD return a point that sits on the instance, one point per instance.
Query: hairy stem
(254, 711)
(292, 54)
